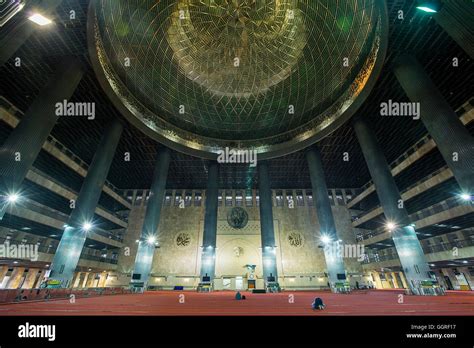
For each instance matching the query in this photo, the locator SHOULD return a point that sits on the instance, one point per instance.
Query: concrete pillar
(30, 278)
(15, 278)
(84, 280)
(452, 138)
(378, 282)
(103, 279)
(404, 281)
(208, 253)
(266, 224)
(77, 278)
(150, 235)
(24, 143)
(395, 280)
(72, 241)
(3, 272)
(455, 17)
(91, 280)
(327, 227)
(408, 246)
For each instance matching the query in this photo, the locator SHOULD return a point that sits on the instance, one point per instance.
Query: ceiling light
(465, 197)
(151, 240)
(87, 226)
(13, 198)
(391, 226)
(429, 6)
(325, 239)
(40, 19)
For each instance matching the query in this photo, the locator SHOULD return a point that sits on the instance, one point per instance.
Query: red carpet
(223, 303)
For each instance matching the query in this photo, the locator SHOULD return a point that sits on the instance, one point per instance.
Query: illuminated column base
(417, 272)
(67, 257)
(208, 262)
(208, 254)
(80, 221)
(150, 233)
(270, 274)
(335, 268)
(143, 264)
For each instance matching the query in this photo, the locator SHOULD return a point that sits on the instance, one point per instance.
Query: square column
(404, 236)
(327, 227)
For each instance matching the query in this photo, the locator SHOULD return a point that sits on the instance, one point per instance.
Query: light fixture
(429, 6)
(87, 226)
(40, 19)
(13, 198)
(325, 239)
(151, 240)
(465, 197)
(391, 226)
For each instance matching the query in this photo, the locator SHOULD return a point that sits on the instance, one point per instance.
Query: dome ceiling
(200, 75)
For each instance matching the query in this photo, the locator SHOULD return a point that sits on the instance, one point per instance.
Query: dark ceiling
(417, 33)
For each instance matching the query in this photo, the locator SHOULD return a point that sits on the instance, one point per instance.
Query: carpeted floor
(375, 302)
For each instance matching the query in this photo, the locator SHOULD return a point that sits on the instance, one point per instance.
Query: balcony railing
(427, 249)
(51, 250)
(419, 215)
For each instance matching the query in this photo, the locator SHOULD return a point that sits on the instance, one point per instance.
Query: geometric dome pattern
(259, 74)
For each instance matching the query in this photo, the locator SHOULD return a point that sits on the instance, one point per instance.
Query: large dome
(273, 76)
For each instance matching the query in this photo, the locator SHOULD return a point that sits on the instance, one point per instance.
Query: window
(299, 198)
(228, 198)
(139, 197)
(197, 198)
(290, 202)
(188, 198)
(178, 198)
(248, 199)
(279, 198)
(309, 197)
(238, 199)
(339, 198)
(168, 197)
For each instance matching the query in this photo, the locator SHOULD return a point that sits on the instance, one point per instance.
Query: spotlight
(325, 239)
(151, 240)
(391, 226)
(87, 226)
(466, 197)
(13, 198)
(429, 6)
(40, 19)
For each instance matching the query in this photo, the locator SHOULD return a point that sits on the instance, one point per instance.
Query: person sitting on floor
(238, 296)
(318, 304)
